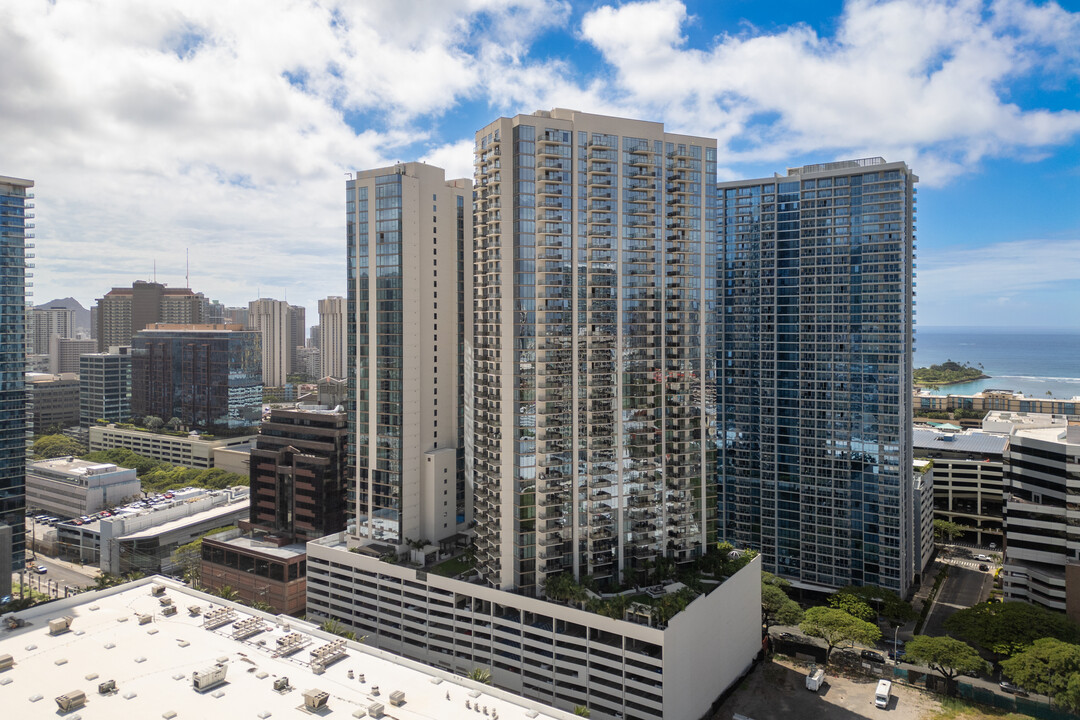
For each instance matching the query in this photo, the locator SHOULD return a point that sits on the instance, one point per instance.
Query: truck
(883, 693)
(815, 679)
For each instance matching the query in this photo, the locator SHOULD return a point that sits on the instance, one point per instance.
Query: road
(60, 575)
(962, 588)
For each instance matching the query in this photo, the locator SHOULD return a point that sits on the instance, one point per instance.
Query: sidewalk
(922, 593)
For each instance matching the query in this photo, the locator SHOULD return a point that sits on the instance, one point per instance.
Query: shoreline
(952, 382)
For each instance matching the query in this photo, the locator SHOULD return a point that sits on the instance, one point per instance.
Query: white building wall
(333, 336)
(272, 318)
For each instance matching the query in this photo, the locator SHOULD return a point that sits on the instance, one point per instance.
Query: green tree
(838, 629)
(777, 608)
(226, 592)
(174, 423)
(480, 675)
(852, 605)
(885, 603)
(152, 422)
(1007, 629)
(1049, 667)
(581, 711)
(947, 531)
(947, 656)
(52, 446)
(767, 578)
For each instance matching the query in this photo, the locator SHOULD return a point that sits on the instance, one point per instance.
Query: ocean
(1034, 362)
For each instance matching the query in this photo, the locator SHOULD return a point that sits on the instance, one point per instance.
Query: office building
(122, 312)
(208, 376)
(816, 277)
(969, 472)
(215, 313)
(64, 353)
(333, 336)
(6, 568)
(47, 323)
(1042, 540)
(68, 487)
(105, 387)
(52, 401)
(408, 285)
(314, 336)
(298, 480)
(15, 215)
(271, 319)
(236, 315)
(190, 450)
(593, 410)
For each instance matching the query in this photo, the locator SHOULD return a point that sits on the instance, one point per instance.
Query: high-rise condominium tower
(271, 318)
(333, 339)
(46, 323)
(297, 336)
(408, 333)
(594, 410)
(815, 371)
(15, 212)
(122, 312)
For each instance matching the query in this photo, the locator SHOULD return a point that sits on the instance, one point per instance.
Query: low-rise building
(969, 470)
(999, 400)
(556, 654)
(259, 569)
(68, 487)
(154, 648)
(146, 539)
(191, 450)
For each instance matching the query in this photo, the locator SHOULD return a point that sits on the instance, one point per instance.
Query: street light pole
(895, 648)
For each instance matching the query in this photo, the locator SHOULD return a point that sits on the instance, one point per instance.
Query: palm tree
(480, 675)
(225, 592)
(581, 711)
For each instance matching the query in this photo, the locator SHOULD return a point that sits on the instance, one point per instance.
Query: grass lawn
(453, 566)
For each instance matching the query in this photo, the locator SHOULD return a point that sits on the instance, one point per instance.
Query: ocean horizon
(1037, 362)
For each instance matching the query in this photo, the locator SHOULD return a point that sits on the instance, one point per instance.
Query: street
(61, 574)
(963, 588)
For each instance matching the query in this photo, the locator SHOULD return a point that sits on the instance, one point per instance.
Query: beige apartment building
(1000, 400)
(333, 337)
(122, 312)
(271, 318)
(410, 287)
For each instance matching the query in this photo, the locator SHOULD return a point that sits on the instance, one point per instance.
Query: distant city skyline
(194, 129)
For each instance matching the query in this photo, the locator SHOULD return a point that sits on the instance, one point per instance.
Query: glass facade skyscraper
(407, 232)
(816, 278)
(594, 416)
(15, 207)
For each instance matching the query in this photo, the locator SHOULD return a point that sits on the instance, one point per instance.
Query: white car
(983, 558)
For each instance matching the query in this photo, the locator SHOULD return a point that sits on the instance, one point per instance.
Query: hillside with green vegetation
(948, 373)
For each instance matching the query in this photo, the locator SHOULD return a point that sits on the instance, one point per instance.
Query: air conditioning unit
(106, 688)
(71, 700)
(397, 698)
(145, 619)
(203, 681)
(60, 625)
(157, 589)
(315, 699)
(281, 684)
(376, 710)
(169, 611)
(6, 661)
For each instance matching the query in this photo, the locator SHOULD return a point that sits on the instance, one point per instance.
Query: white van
(815, 679)
(884, 691)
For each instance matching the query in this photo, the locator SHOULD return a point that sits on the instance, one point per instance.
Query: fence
(1027, 706)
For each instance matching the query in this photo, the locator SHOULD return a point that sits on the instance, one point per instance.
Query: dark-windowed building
(298, 487)
(207, 376)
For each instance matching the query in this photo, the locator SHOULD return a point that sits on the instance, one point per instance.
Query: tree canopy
(1007, 629)
(777, 608)
(947, 531)
(882, 603)
(52, 446)
(946, 655)
(838, 629)
(1049, 667)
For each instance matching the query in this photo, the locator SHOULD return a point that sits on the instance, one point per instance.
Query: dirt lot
(777, 691)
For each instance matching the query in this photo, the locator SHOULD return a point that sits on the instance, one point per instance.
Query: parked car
(984, 567)
(786, 636)
(1008, 687)
(896, 655)
(871, 656)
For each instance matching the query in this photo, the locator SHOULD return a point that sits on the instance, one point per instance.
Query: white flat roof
(152, 665)
(213, 513)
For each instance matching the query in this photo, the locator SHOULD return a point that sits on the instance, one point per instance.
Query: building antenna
(187, 267)
(155, 269)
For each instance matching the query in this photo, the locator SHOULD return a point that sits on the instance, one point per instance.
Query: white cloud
(921, 80)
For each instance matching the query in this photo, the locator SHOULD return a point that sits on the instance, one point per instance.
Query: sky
(224, 130)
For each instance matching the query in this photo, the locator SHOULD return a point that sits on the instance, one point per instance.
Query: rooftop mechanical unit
(397, 698)
(323, 657)
(218, 617)
(106, 688)
(60, 625)
(71, 700)
(157, 589)
(282, 685)
(168, 611)
(376, 710)
(212, 677)
(246, 628)
(315, 699)
(6, 661)
(291, 643)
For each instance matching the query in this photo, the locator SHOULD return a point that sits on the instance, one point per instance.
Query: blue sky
(227, 128)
